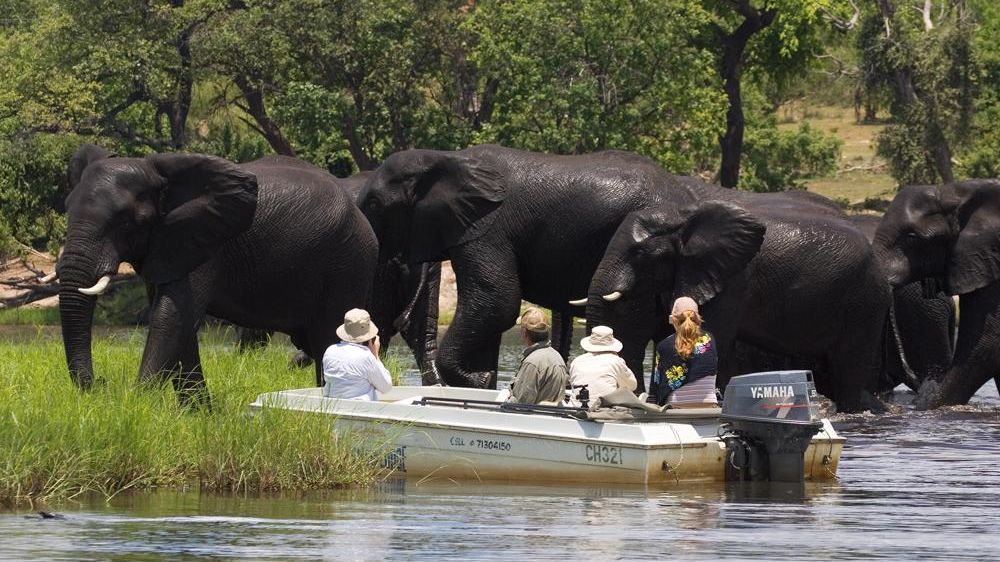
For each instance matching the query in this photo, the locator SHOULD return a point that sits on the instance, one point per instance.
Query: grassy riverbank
(57, 442)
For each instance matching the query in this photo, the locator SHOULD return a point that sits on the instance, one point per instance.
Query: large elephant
(946, 237)
(268, 245)
(404, 297)
(923, 337)
(519, 225)
(813, 292)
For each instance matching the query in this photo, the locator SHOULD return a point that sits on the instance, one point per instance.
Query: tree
(786, 38)
(924, 58)
(584, 75)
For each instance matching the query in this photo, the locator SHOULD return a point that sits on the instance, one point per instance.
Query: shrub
(775, 160)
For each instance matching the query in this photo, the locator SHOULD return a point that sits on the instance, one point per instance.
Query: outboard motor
(770, 419)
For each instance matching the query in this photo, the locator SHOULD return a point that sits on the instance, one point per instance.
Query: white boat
(460, 433)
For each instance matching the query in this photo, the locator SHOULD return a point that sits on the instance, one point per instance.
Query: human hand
(375, 345)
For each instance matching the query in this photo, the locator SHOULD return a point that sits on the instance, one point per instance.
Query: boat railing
(510, 407)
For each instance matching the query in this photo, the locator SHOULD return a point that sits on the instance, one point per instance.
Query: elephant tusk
(99, 288)
(579, 302)
(48, 278)
(613, 296)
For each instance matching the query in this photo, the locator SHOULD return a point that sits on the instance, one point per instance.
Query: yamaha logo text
(783, 391)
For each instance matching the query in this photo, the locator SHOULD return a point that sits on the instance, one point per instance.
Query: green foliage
(590, 75)
(929, 75)
(776, 160)
(32, 188)
(57, 442)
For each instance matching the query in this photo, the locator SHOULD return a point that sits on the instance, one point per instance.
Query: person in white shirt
(352, 368)
(601, 369)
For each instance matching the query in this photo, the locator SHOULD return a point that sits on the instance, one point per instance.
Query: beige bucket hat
(357, 327)
(601, 338)
(683, 304)
(533, 320)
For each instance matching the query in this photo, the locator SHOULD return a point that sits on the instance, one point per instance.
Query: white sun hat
(601, 338)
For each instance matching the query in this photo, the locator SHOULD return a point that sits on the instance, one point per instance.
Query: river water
(912, 486)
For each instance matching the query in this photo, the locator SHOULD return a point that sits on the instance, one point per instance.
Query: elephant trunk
(78, 271)
(613, 279)
(76, 311)
(909, 377)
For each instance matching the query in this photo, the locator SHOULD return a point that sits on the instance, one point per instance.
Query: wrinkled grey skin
(946, 237)
(813, 291)
(266, 245)
(519, 225)
(404, 298)
(926, 325)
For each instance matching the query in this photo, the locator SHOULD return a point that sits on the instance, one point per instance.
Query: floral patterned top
(671, 372)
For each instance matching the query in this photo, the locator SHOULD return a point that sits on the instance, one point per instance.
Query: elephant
(404, 299)
(922, 339)
(266, 245)
(946, 237)
(813, 292)
(518, 224)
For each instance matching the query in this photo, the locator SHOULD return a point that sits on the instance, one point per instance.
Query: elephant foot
(83, 382)
(928, 396)
(300, 360)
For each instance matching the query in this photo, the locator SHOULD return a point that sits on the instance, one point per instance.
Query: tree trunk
(731, 69)
(254, 96)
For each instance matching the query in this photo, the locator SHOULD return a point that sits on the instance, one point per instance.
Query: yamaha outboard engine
(770, 419)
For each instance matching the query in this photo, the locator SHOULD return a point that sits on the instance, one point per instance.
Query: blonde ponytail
(688, 327)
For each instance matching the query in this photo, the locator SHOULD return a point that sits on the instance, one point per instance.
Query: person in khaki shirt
(542, 376)
(601, 369)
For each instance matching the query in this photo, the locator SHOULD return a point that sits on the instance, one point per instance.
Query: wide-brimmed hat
(533, 320)
(357, 327)
(601, 338)
(683, 304)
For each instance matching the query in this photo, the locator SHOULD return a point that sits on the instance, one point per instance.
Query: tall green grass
(22, 316)
(57, 442)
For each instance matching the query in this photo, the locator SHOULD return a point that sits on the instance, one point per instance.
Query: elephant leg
(978, 350)
(172, 342)
(321, 336)
(853, 371)
(489, 298)
(562, 332)
(722, 317)
(421, 326)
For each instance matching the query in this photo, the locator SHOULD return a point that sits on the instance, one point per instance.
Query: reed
(57, 442)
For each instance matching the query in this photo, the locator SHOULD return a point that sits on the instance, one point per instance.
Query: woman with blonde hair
(686, 362)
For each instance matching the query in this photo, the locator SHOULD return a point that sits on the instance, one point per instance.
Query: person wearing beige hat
(601, 369)
(686, 362)
(352, 368)
(542, 376)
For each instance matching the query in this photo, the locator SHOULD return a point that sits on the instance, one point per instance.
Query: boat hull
(432, 442)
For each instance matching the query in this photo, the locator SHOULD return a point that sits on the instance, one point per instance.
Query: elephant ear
(974, 259)
(718, 240)
(84, 156)
(456, 196)
(204, 202)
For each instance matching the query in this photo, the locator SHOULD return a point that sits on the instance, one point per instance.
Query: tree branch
(841, 24)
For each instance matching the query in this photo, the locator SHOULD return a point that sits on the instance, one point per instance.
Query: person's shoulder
(548, 353)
